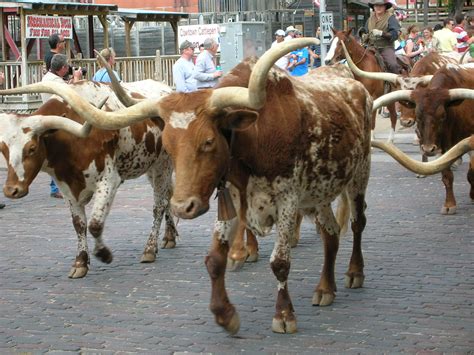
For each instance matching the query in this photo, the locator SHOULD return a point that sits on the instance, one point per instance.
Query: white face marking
(182, 119)
(332, 50)
(12, 134)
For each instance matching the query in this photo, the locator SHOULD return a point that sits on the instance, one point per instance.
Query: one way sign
(326, 22)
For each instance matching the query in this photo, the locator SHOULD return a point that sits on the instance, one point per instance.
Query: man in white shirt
(183, 69)
(283, 61)
(59, 68)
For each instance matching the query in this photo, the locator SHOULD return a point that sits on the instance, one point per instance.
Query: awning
(135, 15)
(46, 7)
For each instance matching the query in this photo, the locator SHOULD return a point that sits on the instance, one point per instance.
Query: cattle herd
(277, 148)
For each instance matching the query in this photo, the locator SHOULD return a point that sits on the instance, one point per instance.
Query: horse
(366, 60)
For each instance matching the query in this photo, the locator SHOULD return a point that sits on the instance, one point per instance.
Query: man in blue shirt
(205, 71)
(183, 69)
(101, 75)
(298, 65)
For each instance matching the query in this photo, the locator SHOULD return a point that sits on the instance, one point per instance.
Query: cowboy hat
(387, 3)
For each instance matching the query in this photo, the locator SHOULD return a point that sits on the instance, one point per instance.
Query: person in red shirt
(461, 35)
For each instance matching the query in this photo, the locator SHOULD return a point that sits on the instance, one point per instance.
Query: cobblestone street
(418, 293)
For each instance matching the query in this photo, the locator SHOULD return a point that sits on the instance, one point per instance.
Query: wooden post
(90, 35)
(158, 68)
(4, 43)
(105, 25)
(24, 53)
(128, 29)
(425, 12)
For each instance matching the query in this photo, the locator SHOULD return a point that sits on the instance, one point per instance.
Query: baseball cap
(279, 33)
(185, 44)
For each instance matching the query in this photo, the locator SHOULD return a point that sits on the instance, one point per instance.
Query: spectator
(58, 69)
(57, 44)
(414, 45)
(183, 69)
(383, 29)
(101, 75)
(315, 51)
(2, 80)
(290, 33)
(463, 40)
(201, 48)
(205, 71)
(429, 40)
(283, 61)
(446, 39)
(299, 58)
(470, 24)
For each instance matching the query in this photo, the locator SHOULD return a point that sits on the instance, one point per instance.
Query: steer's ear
(238, 119)
(454, 102)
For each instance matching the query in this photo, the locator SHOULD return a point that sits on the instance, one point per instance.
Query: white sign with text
(45, 26)
(196, 34)
(326, 21)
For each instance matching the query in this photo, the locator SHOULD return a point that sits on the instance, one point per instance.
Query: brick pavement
(418, 293)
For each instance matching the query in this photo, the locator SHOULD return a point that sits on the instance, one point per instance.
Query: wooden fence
(157, 67)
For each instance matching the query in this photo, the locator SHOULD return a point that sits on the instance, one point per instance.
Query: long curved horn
(390, 77)
(59, 122)
(48, 122)
(101, 119)
(387, 99)
(121, 94)
(433, 167)
(255, 95)
(458, 94)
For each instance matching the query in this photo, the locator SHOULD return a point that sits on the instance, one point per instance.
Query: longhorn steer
(444, 117)
(89, 166)
(297, 144)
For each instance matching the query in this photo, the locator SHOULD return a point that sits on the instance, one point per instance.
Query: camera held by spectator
(73, 69)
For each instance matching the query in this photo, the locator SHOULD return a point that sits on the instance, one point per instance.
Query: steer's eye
(32, 150)
(208, 145)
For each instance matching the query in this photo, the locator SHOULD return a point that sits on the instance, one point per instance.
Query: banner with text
(45, 26)
(196, 34)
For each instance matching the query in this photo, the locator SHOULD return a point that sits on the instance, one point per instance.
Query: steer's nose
(407, 121)
(429, 149)
(191, 207)
(14, 191)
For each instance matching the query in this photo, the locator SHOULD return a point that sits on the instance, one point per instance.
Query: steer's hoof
(448, 210)
(234, 265)
(148, 257)
(252, 258)
(284, 326)
(234, 324)
(354, 280)
(293, 242)
(104, 255)
(167, 244)
(323, 299)
(78, 271)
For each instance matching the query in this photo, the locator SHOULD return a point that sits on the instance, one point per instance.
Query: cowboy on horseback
(382, 29)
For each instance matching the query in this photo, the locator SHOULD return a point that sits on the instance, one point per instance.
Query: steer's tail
(343, 213)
